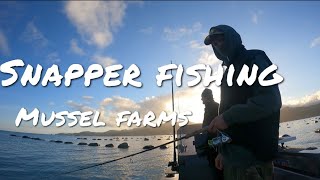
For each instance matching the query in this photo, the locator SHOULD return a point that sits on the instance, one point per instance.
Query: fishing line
(117, 159)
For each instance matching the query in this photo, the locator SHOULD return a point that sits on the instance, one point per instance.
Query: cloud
(106, 102)
(4, 47)
(106, 115)
(188, 99)
(120, 104)
(74, 47)
(53, 58)
(174, 34)
(110, 107)
(96, 20)
(103, 60)
(147, 30)
(315, 42)
(255, 16)
(33, 35)
(79, 106)
(87, 98)
(196, 45)
(307, 100)
(208, 57)
(206, 54)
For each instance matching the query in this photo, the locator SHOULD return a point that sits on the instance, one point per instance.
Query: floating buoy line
(117, 159)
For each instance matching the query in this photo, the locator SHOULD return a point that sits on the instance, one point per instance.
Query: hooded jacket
(252, 113)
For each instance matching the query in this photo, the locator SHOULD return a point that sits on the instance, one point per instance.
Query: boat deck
(191, 166)
(194, 167)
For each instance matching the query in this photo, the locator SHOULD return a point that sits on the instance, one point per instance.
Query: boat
(290, 162)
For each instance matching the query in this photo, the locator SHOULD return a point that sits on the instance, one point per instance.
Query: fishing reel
(222, 138)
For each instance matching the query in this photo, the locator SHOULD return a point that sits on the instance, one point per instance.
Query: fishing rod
(174, 164)
(117, 159)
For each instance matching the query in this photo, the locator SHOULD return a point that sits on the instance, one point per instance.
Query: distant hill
(287, 114)
(295, 113)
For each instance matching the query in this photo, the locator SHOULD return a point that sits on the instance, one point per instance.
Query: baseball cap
(212, 32)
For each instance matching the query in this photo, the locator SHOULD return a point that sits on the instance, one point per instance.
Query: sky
(149, 35)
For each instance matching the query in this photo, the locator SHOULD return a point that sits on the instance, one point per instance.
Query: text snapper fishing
(111, 78)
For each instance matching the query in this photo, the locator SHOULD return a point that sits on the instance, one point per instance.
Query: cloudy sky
(150, 35)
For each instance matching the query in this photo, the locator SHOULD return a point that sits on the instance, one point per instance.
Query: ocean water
(304, 130)
(31, 159)
(22, 158)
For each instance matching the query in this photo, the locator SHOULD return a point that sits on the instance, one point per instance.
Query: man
(211, 107)
(210, 112)
(248, 114)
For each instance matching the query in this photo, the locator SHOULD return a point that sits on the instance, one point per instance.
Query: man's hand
(219, 162)
(217, 123)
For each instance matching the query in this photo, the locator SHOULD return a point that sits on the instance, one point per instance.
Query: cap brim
(207, 40)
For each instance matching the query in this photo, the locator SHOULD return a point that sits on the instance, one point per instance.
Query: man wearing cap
(248, 114)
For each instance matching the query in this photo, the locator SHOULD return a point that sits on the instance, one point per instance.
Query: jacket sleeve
(265, 100)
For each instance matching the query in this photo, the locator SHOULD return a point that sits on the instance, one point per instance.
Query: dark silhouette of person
(210, 112)
(249, 114)
(211, 107)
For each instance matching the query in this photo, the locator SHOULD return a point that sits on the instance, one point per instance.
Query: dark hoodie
(251, 112)
(232, 46)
